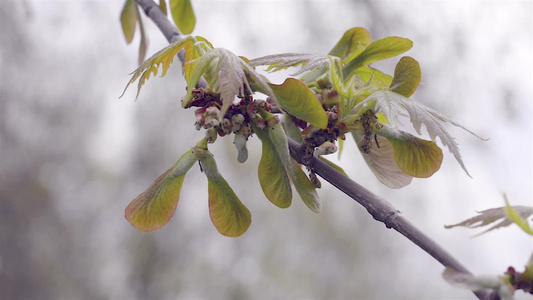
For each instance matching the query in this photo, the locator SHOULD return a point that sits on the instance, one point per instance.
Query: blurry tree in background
(72, 157)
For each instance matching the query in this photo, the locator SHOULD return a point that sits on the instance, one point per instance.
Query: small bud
(226, 126)
(211, 135)
(325, 149)
(237, 121)
(199, 122)
(211, 121)
(246, 131)
(272, 121)
(261, 123)
(212, 111)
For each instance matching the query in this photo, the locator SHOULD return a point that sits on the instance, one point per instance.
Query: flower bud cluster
(237, 119)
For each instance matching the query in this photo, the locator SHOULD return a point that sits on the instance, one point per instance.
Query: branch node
(390, 219)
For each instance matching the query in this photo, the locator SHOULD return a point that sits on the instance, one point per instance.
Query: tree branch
(379, 208)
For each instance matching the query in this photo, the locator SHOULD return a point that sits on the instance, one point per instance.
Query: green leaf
(378, 50)
(163, 6)
(228, 214)
(183, 15)
(393, 105)
(416, 157)
(128, 19)
(282, 61)
(153, 208)
(272, 174)
(515, 216)
(407, 76)
(353, 41)
(301, 102)
(373, 76)
(163, 57)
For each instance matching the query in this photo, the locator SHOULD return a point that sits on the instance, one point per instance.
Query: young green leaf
(373, 76)
(416, 157)
(353, 41)
(153, 208)
(183, 15)
(163, 57)
(382, 162)
(493, 215)
(128, 19)
(378, 50)
(278, 62)
(407, 76)
(228, 214)
(301, 102)
(227, 74)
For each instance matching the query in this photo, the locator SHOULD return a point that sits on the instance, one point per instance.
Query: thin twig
(379, 208)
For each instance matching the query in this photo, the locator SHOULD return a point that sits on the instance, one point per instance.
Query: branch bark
(379, 208)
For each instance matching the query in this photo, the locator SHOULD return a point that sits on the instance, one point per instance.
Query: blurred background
(72, 156)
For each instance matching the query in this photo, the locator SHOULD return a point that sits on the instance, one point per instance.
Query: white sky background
(477, 63)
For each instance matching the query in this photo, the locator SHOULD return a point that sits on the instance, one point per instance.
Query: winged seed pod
(154, 207)
(228, 214)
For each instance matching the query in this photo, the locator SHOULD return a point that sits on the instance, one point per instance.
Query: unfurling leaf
(153, 208)
(382, 162)
(278, 62)
(416, 157)
(301, 102)
(163, 57)
(228, 214)
(128, 19)
(353, 41)
(407, 76)
(226, 74)
(183, 15)
(392, 105)
(489, 216)
(378, 50)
